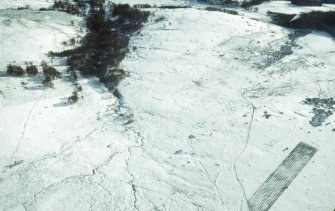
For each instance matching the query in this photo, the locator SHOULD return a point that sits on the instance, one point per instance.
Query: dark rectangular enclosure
(281, 178)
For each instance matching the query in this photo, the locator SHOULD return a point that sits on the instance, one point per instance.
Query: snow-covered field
(211, 107)
(14, 4)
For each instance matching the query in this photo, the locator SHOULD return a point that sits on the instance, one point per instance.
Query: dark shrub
(45, 9)
(227, 3)
(73, 98)
(231, 12)
(72, 41)
(106, 43)
(14, 70)
(96, 22)
(31, 70)
(113, 78)
(173, 7)
(66, 6)
(73, 76)
(47, 82)
(50, 72)
(249, 3)
(78, 87)
(142, 6)
(127, 12)
(26, 7)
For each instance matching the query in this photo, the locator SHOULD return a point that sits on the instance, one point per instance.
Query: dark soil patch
(285, 49)
(322, 109)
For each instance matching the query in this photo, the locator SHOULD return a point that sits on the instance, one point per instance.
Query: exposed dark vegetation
(266, 115)
(142, 6)
(146, 6)
(75, 7)
(284, 50)
(318, 20)
(232, 12)
(307, 2)
(322, 109)
(15, 70)
(31, 69)
(71, 42)
(78, 87)
(312, 2)
(26, 7)
(67, 6)
(106, 43)
(173, 7)
(73, 98)
(161, 18)
(227, 3)
(50, 74)
(47, 83)
(102, 48)
(248, 4)
(16, 163)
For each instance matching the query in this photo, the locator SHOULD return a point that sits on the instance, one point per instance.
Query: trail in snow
(203, 168)
(25, 124)
(246, 143)
(130, 155)
(96, 165)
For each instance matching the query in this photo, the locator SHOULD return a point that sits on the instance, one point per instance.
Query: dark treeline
(106, 43)
(318, 20)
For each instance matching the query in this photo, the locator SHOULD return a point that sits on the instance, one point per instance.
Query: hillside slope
(212, 104)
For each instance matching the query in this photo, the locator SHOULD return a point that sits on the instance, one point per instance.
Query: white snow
(35, 4)
(190, 131)
(188, 80)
